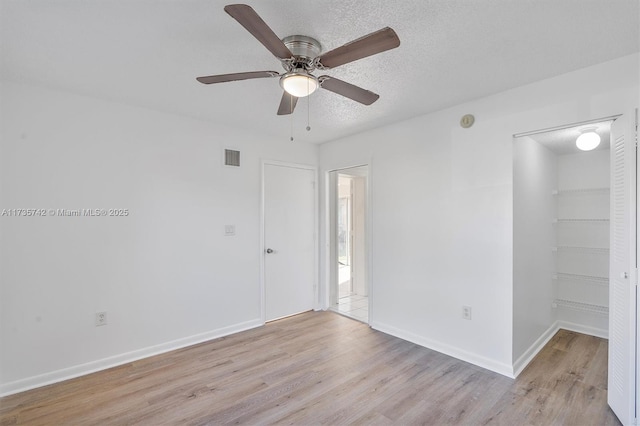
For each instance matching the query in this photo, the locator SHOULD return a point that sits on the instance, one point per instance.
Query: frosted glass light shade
(299, 84)
(588, 141)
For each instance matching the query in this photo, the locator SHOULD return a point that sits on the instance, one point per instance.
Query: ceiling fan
(301, 55)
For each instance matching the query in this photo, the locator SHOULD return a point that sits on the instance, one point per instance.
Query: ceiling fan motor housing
(305, 49)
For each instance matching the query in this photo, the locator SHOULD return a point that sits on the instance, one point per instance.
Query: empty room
(329, 212)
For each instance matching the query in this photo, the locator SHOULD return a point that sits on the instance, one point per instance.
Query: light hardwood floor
(323, 368)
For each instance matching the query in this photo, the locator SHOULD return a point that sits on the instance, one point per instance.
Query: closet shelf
(580, 220)
(580, 306)
(581, 191)
(577, 249)
(583, 278)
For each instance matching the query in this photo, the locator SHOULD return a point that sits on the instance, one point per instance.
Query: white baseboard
(591, 331)
(113, 361)
(470, 357)
(533, 350)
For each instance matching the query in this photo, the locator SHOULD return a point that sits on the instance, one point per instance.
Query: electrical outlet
(229, 230)
(101, 318)
(466, 312)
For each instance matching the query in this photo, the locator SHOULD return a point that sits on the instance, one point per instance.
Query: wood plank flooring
(322, 368)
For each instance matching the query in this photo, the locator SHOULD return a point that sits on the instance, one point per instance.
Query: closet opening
(561, 216)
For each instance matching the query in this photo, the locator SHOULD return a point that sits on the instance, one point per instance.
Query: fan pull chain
(291, 115)
(308, 106)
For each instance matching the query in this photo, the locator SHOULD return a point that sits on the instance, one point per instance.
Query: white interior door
(623, 272)
(289, 237)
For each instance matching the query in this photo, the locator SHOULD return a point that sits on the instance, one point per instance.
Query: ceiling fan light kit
(301, 55)
(299, 83)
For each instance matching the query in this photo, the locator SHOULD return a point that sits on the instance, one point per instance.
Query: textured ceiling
(563, 141)
(148, 53)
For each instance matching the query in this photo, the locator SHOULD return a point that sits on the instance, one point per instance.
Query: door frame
(314, 169)
(329, 217)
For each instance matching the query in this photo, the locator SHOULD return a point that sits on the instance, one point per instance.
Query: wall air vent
(231, 158)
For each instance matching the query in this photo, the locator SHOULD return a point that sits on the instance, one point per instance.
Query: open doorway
(349, 293)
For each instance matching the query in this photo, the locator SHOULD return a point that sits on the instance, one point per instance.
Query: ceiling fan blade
(368, 45)
(287, 104)
(223, 78)
(248, 18)
(348, 90)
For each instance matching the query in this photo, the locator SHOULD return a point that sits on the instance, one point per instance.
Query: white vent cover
(231, 158)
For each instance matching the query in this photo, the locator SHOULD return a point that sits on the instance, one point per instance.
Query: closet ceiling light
(588, 140)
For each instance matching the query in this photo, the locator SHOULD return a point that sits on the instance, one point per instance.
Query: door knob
(269, 250)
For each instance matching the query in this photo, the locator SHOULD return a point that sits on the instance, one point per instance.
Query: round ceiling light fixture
(299, 83)
(588, 139)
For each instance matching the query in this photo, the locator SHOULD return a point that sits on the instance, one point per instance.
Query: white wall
(166, 274)
(442, 208)
(535, 177)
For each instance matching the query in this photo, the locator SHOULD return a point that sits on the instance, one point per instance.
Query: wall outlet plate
(101, 318)
(466, 312)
